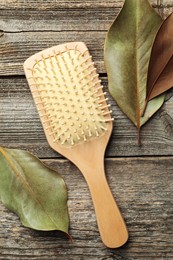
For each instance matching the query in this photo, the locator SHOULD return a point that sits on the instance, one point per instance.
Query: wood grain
(140, 177)
(51, 4)
(23, 32)
(143, 189)
(20, 126)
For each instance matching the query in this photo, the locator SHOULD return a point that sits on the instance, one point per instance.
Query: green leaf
(127, 51)
(34, 192)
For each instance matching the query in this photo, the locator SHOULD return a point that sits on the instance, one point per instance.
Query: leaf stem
(139, 136)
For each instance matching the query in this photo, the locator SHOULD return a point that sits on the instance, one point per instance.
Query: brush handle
(111, 225)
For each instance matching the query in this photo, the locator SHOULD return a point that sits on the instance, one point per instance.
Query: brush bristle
(69, 96)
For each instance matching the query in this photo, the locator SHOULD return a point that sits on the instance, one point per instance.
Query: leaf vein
(23, 181)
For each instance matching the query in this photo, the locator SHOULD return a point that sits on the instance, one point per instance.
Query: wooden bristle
(68, 88)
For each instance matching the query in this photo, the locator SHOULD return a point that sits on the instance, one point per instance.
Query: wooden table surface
(141, 178)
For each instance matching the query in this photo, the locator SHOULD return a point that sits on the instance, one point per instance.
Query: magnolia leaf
(160, 71)
(127, 51)
(34, 192)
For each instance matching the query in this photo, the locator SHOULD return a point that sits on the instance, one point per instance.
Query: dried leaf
(127, 51)
(34, 192)
(160, 71)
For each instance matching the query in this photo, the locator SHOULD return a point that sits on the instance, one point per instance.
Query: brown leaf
(160, 71)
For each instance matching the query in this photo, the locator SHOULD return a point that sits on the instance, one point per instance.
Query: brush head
(68, 94)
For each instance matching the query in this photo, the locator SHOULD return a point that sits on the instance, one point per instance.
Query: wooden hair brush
(77, 123)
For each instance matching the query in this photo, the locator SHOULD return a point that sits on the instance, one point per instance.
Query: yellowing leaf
(127, 51)
(34, 192)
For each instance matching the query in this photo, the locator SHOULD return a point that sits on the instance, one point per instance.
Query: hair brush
(77, 123)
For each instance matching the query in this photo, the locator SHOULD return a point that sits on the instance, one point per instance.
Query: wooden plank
(60, 15)
(61, 19)
(20, 126)
(15, 48)
(143, 189)
(168, 11)
(52, 4)
(142, 186)
(21, 36)
(166, 3)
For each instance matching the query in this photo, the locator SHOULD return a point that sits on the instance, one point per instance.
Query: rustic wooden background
(141, 178)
